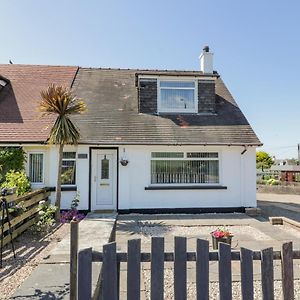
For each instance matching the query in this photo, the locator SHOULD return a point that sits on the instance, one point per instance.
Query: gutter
(169, 144)
(100, 143)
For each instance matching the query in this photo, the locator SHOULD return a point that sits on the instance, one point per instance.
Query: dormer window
(178, 96)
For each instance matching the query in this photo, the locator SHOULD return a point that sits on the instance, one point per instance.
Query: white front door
(104, 179)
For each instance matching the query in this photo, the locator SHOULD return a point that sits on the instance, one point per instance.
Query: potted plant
(124, 162)
(221, 235)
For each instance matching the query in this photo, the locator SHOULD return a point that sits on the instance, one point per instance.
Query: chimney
(206, 61)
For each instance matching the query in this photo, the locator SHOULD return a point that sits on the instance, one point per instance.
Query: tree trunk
(58, 182)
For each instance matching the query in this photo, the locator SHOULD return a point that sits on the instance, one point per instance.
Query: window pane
(179, 84)
(184, 171)
(105, 168)
(177, 98)
(71, 155)
(202, 154)
(68, 172)
(167, 154)
(36, 167)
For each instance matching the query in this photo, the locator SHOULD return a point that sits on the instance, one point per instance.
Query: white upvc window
(184, 168)
(68, 168)
(36, 165)
(177, 96)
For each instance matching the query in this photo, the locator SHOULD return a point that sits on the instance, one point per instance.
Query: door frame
(90, 174)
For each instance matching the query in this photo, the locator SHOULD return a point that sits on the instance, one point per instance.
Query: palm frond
(59, 101)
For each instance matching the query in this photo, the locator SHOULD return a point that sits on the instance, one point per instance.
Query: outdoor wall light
(124, 160)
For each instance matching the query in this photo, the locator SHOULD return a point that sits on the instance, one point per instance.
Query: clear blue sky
(256, 47)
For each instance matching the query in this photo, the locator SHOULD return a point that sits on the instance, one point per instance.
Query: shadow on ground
(27, 247)
(141, 227)
(280, 209)
(57, 294)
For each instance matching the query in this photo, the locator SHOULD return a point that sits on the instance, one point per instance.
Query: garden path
(50, 279)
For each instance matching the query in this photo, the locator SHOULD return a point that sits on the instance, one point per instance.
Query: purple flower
(69, 215)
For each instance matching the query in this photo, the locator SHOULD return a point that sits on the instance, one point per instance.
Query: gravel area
(213, 288)
(31, 248)
(290, 229)
(147, 231)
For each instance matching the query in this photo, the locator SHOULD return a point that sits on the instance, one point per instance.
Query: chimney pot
(206, 61)
(206, 49)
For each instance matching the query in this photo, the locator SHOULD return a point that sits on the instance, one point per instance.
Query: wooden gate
(201, 257)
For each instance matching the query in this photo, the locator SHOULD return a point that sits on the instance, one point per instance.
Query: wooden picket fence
(26, 219)
(109, 288)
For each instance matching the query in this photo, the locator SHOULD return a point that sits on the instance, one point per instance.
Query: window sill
(186, 187)
(163, 112)
(70, 188)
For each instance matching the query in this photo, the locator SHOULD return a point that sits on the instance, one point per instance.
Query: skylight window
(177, 96)
(3, 83)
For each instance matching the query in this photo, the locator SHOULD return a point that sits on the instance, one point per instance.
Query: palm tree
(60, 102)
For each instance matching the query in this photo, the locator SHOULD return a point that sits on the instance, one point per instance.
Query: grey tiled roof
(113, 118)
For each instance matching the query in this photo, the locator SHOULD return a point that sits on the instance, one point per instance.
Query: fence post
(157, 268)
(225, 280)
(246, 261)
(267, 274)
(180, 268)
(287, 271)
(85, 274)
(134, 269)
(202, 270)
(73, 259)
(110, 272)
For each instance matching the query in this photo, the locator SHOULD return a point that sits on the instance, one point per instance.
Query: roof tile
(20, 120)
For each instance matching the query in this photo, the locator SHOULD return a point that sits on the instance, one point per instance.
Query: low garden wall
(21, 219)
(279, 189)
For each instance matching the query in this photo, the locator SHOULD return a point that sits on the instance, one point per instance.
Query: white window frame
(28, 166)
(188, 158)
(71, 159)
(177, 110)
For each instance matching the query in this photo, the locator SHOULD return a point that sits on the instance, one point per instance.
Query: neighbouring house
(155, 140)
(286, 172)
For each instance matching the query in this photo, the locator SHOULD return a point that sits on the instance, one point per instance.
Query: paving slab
(50, 279)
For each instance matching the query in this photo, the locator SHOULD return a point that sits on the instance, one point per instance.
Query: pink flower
(220, 233)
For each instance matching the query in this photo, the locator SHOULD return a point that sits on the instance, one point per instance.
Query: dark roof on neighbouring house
(285, 168)
(113, 118)
(20, 120)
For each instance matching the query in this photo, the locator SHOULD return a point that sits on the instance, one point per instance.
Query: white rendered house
(151, 140)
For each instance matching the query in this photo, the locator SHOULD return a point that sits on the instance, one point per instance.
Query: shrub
(11, 158)
(17, 209)
(19, 180)
(275, 182)
(46, 216)
(261, 181)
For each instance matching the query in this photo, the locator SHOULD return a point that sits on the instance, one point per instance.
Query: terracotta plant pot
(216, 241)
